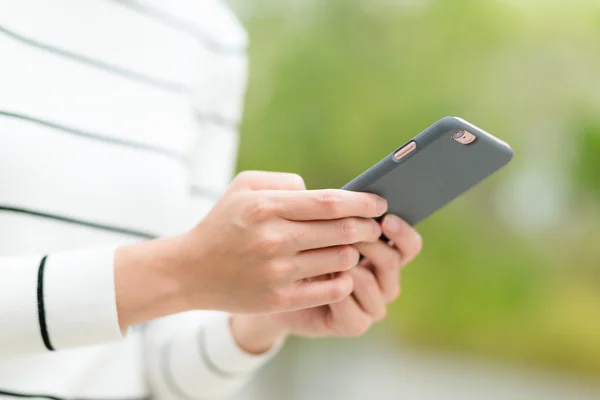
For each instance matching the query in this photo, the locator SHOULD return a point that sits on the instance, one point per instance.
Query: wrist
(145, 285)
(256, 334)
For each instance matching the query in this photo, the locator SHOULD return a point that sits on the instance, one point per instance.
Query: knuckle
(260, 208)
(337, 293)
(380, 314)
(269, 242)
(359, 328)
(331, 203)
(350, 230)
(234, 203)
(375, 230)
(348, 257)
(278, 271)
(392, 260)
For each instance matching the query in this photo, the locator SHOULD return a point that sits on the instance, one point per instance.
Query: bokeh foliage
(336, 85)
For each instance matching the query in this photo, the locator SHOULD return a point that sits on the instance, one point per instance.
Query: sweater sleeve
(194, 356)
(57, 301)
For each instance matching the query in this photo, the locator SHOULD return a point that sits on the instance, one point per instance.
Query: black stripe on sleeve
(41, 306)
(74, 221)
(98, 137)
(28, 395)
(182, 26)
(177, 156)
(169, 86)
(11, 393)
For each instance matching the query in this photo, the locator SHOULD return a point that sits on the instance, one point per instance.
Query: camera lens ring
(459, 134)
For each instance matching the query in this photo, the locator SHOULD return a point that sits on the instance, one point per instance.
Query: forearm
(146, 287)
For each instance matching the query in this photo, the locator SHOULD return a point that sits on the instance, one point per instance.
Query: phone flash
(464, 137)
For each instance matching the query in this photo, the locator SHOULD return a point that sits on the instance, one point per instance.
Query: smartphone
(432, 169)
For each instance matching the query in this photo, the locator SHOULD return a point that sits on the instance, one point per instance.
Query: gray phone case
(436, 172)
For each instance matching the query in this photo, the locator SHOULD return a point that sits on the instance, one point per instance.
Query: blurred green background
(512, 269)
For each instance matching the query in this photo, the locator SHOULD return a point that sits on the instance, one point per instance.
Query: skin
(376, 284)
(261, 253)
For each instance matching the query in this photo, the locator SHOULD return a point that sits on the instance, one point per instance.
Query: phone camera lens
(458, 135)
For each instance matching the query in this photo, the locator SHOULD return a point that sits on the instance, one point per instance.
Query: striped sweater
(118, 123)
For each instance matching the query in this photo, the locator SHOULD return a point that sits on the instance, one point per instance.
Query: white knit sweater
(118, 123)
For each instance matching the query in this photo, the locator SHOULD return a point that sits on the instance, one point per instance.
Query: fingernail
(381, 205)
(392, 223)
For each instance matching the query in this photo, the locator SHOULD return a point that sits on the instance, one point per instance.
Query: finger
(385, 262)
(403, 236)
(263, 180)
(381, 255)
(319, 234)
(329, 204)
(308, 294)
(368, 294)
(389, 282)
(313, 263)
(347, 318)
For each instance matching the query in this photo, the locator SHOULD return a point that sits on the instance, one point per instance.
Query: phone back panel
(438, 171)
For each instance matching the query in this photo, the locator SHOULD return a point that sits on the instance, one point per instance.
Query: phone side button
(405, 150)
